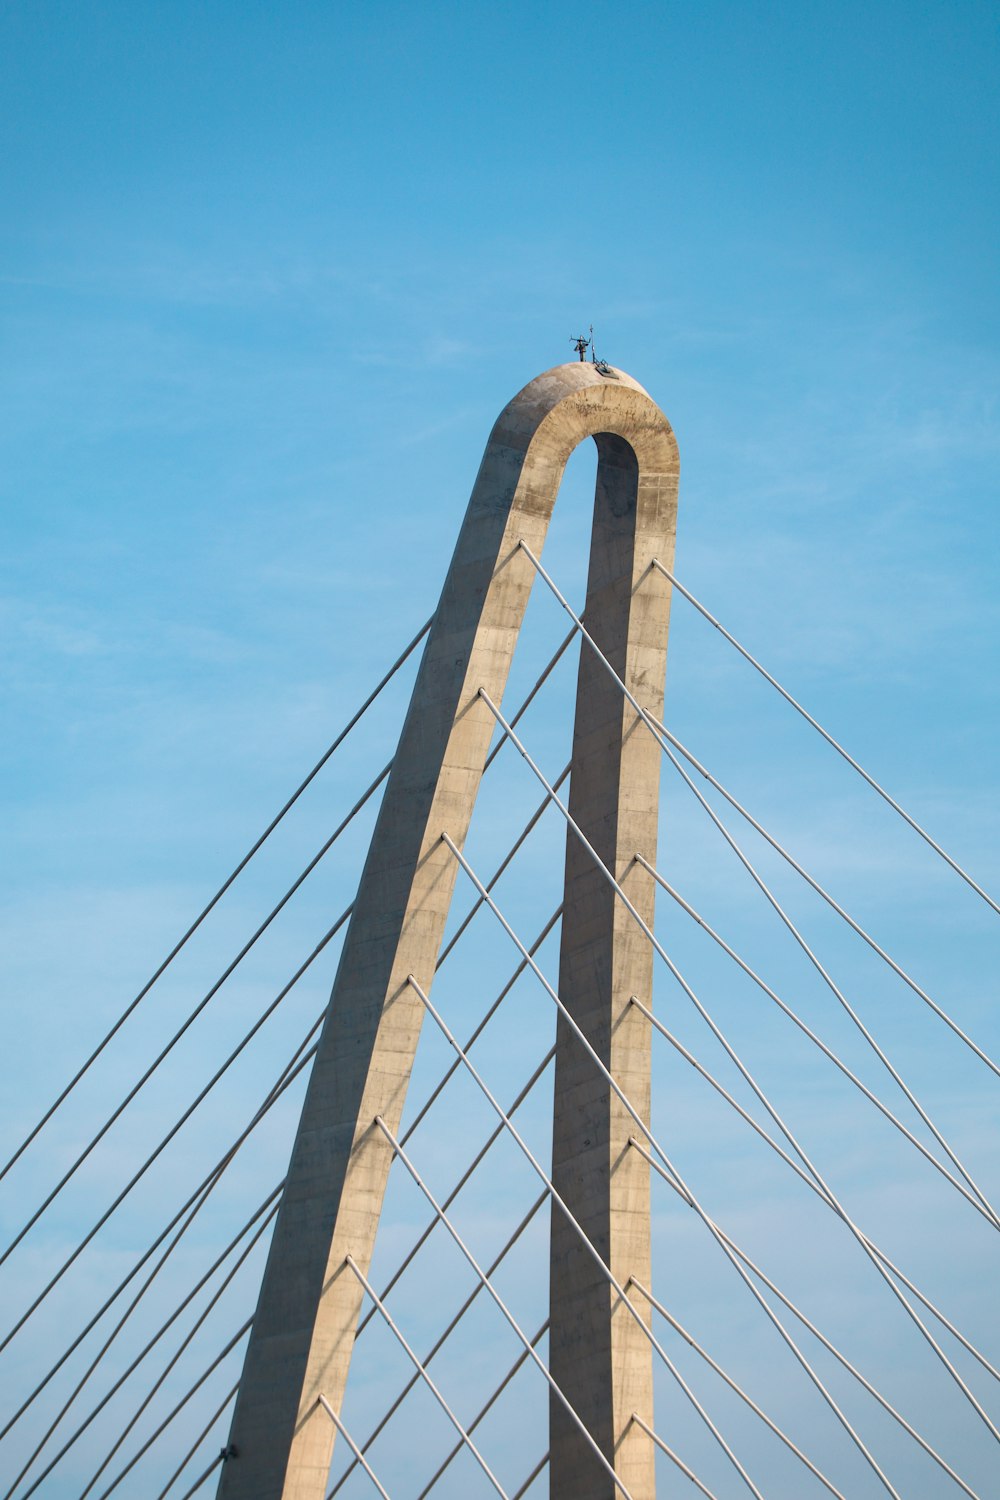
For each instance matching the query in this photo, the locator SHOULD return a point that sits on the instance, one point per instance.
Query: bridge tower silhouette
(600, 1359)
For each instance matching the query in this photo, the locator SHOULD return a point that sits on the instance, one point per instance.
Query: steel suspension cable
(453, 1068)
(124, 1430)
(453, 1194)
(557, 1199)
(440, 1341)
(485, 1409)
(130, 1369)
(733, 1385)
(123, 1194)
(203, 1434)
(198, 1203)
(922, 832)
(817, 1041)
(205, 1476)
(527, 702)
(299, 1060)
(494, 752)
(477, 905)
(359, 1457)
(477, 1159)
(824, 894)
(529, 1348)
(194, 1014)
(336, 834)
(462, 928)
(834, 988)
(387, 1316)
(450, 1071)
(545, 673)
(647, 1132)
(494, 878)
(185, 1344)
(811, 1327)
(240, 867)
(777, 1291)
(526, 1486)
(747, 1075)
(759, 881)
(175, 1412)
(811, 1184)
(674, 1457)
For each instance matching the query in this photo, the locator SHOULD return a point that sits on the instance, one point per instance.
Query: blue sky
(267, 275)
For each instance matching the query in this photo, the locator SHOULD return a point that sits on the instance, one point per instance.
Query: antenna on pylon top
(600, 365)
(581, 343)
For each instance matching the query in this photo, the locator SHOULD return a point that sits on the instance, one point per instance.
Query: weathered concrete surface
(307, 1313)
(598, 1353)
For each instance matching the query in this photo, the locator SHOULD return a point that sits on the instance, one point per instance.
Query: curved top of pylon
(623, 403)
(575, 375)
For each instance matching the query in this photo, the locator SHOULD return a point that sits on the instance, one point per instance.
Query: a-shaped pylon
(304, 1327)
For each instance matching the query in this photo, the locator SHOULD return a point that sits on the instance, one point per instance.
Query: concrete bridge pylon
(303, 1331)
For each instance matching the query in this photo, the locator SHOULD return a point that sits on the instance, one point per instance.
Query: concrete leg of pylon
(599, 1353)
